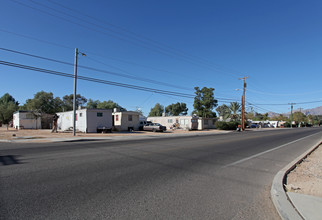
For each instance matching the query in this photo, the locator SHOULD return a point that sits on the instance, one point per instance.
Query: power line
(86, 51)
(135, 34)
(162, 51)
(222, 99)
(97, 70)
(129, 86)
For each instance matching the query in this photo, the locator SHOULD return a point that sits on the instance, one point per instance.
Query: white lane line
(264, 152)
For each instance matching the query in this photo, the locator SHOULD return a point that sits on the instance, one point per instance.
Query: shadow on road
(9, 160)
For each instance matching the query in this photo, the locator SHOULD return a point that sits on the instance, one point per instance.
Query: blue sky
(277, 44)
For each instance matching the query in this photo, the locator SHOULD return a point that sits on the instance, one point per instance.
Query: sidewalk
(297, 189)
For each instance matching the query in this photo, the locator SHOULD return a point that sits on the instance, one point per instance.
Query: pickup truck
(154, 127)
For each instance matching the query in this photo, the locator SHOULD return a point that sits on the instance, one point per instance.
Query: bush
(222, 125)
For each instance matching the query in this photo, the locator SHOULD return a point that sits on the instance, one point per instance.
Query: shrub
(222, 125)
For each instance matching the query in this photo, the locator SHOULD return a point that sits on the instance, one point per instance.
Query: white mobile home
(206, 123)
(87, 120)
(181, 122)
(26, 120)
(126, 121)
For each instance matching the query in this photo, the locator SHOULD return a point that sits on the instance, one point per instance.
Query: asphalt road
(226, 176)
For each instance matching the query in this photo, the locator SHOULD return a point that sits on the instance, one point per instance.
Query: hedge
(222, 125)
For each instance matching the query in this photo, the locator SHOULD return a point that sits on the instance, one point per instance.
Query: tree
(299, 117)
(91, 104)
(204, 102)
(223, 111)
(235, 109)
(69, 99)
(157, 110)
(177, 109)
(280, 117)
(43, 102)
(110, 105)
(8, 105)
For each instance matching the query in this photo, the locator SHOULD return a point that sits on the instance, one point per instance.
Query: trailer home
(87, 120)
(26, 120)
(126, 121)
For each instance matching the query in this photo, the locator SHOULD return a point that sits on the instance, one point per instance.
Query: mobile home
(87, 120)
(26, 120)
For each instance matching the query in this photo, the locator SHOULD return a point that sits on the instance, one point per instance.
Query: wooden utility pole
(75, 88)
(74, 98)
(243, 104)
(291, 113)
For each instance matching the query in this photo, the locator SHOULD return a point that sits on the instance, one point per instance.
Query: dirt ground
(13, 134)
(306, 178)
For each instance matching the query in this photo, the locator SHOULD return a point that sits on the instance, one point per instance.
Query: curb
(111, 138)
(282, 202)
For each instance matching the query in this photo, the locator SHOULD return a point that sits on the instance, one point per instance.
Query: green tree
(68, 101)
(157, 110)
(204, 102)
(110, 105)
(43, 102)
(235, 110)
(177, 109)
(260, 117)
(299, 117)
(8, 105)
(280, 117)
(91, 104)
(223, 111)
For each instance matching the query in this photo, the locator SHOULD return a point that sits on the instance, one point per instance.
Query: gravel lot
(306, 178)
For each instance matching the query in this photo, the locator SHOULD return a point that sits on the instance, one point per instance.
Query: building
(126, 121)
(87, 120)
(206, 123)
(184, 122)
(267, 124)
(26, 120)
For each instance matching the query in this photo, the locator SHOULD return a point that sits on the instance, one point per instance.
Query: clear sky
(277, 44)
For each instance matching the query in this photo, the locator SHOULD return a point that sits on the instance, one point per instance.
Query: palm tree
(235, 109)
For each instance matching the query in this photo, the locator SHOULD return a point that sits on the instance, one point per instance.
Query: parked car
(143, 123)
(154, 127)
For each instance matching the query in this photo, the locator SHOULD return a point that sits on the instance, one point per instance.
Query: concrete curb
(111, 138)
(282, 202)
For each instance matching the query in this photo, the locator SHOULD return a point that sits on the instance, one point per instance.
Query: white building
(206, 123)
(179, 122)
(26, 120)
(87, 120)
(126, 121)
(267, 123)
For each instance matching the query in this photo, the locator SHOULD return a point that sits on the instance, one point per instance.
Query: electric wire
(114, 36)
(124, 85)
(97, 70)
(133, 33)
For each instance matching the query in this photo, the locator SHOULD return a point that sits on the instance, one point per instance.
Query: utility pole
(74, 97)
(243, 104)
(75, 88)
(291, 113)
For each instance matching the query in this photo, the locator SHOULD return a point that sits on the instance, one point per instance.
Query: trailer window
(169, 120)
(99, 114)
(130, 117)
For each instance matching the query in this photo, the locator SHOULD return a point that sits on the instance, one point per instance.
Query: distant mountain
(272, 114)
(312, 111)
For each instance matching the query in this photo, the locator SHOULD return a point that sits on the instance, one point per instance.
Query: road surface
(222, 176)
